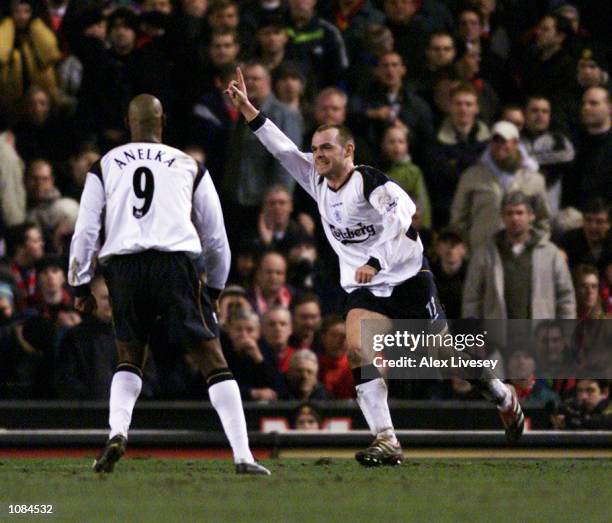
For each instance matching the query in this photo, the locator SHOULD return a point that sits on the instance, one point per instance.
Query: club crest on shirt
(358, 234)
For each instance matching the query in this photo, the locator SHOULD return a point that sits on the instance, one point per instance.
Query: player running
(159, 210)
(367, 220)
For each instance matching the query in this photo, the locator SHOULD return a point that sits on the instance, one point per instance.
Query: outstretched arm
(297, 163)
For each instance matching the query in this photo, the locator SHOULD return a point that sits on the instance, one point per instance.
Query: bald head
(145, 118)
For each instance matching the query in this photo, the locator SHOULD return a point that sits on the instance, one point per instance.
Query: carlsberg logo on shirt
(358, 234)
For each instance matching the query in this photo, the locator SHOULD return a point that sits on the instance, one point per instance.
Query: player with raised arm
(367, 219)
(159, 210)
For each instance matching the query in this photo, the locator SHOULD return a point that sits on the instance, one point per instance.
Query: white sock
(372, 399)
(125, 389)
(501, 393)
(225, 398)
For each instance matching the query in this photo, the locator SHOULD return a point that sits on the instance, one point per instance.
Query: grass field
(427, 490)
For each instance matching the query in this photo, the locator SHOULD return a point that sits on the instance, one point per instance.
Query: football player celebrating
(367, 219)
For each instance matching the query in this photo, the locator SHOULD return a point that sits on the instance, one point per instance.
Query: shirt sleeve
(396, 209)
(300, 165)
(207, 218)
(86, 239)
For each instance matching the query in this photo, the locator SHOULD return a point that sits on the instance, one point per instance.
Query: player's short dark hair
(450, 235)
(474, 10)
(344, 134)
(123, 16)
(307, 297)
(596, 206)
(516, 198)
(438, 34)
(16, 236)
(533, 97)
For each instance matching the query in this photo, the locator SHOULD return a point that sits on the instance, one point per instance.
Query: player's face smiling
(328, 153)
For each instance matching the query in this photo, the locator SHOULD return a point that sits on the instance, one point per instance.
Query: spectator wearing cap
(24, 247)
(400, 168)
(28, 53)
(107, 77)
(302, 381)
(552, 149)
(12, 188)
(592, 169)
(316, 45)
(450, 267)
(271, 37)
(518, 274)
(549, 68)
(306, 418)
(460, 140)
(590, 244)
(334, 368)
(504, 167)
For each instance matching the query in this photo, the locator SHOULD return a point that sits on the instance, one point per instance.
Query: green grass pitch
(428, 490)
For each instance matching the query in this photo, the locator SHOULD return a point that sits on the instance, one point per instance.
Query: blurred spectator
(244, 264)
(302, 377)
(87, 357)
(400, 168)
(270, 283)
(78, 167)
(593, 166)
(251, 14)
(40, 133)
(439, 53)
(521, 371)
(468, 70)
(449, 268)
(551, 149)
(12, 188)
(334, 368)
(515, 115)
(553, 358)
(306, 310)
(548, 69)
(412, 21)
(316, 45)
(223, 14)
(518, 273)
(305, 273)
(232, 301)
(460, 141)
(271, 37)
(592, 243)
(24, 247)
(352, 18)
(28, 53)
(250, 168)
(277, 230)
(252, 366)
(387, 101)
(53, 299)
(504, 167)
(588, 300)
(47, 207)
(306, 418)
(212, 120)
(276, 331)
(591, 409)
(289, 86)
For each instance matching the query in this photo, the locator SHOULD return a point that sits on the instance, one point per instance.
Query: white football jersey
(367, 220)
(148, 196)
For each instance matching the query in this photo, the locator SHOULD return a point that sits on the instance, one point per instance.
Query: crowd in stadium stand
(492, 114)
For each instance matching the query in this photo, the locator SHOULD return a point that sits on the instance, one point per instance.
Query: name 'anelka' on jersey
(124, 157)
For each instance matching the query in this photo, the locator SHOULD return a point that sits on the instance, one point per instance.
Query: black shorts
(149, 285)
(414, 299)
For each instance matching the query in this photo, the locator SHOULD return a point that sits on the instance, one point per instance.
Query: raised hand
(237, 92)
